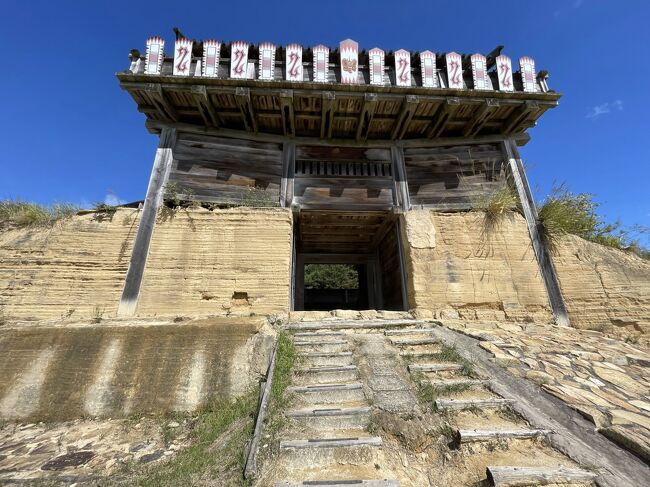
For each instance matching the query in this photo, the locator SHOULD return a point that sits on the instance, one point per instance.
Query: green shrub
(563, 212)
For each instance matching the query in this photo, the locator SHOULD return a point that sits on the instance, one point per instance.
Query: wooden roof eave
(130, 81)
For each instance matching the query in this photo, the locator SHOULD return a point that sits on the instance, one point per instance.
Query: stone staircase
(351, 371)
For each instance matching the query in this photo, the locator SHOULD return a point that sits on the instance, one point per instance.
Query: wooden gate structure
(346, 138)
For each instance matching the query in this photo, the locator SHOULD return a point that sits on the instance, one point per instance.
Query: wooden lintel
(163, 107)
(440, 119)
(366, 115)
(288, 116)
(243, 96)
(155, 126)
(203, 104)
(327, 114)
(480, 117)
(409, 105)
(519, 117)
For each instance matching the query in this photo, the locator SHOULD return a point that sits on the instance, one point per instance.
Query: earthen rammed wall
(461, 265)
(222, 262)
(603, 287)
(74, 269)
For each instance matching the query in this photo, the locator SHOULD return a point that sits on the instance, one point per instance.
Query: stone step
(409, 342)
(351, 324)
(476, 435)
(460, 404)
(510, 476)
(437, 367)
(317, 334)
(322, 345)
(322, 375)
(319, 452)
(409, 331)
(334, 359)
(341, 483)
(329, 393)
(332, 418)
(459, 382)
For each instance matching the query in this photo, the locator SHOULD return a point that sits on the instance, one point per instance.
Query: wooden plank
(476, 435)
(480, 117)
(288, 113)
(251, 458)
(508, 476)
(541, 250)
(461, 404)
(159, 174)
(434, 367)
(204, 105)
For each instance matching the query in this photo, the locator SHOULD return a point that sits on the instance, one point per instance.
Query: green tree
(331, 276)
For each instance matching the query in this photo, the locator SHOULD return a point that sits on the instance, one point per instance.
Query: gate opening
(348, 260)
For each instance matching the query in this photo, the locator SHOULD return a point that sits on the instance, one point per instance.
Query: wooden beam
(164, 108)
(327, 114)
(507, 476)
(243, 96)
(409, 105)
(366, 115)
(288, 171)
(288, 116)
(480, 118)
(542, 253)
(203, 104)
(159, 175)
(155, 126)
(442, 116)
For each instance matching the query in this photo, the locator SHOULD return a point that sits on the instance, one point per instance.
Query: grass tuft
(210, 457)
(23, 214)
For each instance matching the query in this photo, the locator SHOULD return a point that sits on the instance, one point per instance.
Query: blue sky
(71, 134)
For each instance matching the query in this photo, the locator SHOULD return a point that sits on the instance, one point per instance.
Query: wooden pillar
(402, 264)
(542, 253)
(288, 172)
(400, 186)
(159, 174)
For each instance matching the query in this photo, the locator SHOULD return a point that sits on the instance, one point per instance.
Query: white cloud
(605, 108)
(112, 199)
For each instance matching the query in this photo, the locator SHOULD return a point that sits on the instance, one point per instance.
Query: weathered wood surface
(434, 367)
(251, 458)
(460, 404)
(159, 175)
(541, 250)
(507, 476)
(470, 436)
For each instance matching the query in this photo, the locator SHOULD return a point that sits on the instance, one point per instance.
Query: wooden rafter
(409, 105)
(327, 114)
(243, 97)
(442, 116)
(288, 115)
(204, 106)
(366, 115)
(480, 117)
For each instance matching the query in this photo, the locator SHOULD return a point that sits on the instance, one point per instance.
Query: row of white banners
(241, 68)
